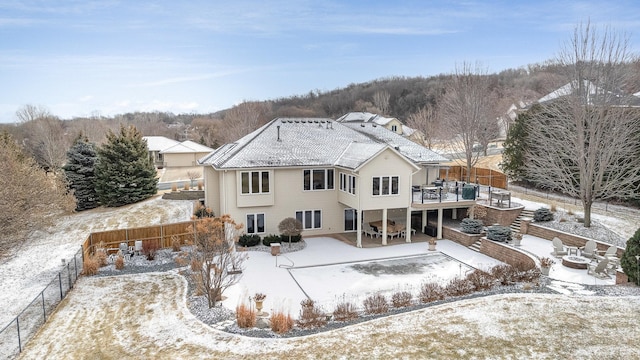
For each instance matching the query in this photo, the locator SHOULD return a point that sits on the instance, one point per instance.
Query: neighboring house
(166, 152)
(156, 144)
(392, 124)
(332, 176)
(185, 153)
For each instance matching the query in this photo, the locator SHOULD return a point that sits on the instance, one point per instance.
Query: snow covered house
(166, 152)
(334, 177)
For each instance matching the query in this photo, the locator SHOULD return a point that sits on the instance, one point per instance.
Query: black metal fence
(20, 330)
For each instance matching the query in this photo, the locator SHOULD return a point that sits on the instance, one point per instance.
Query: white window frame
(328, 182)
(348, 183)
(315, 219)
(255, 223)
(261, 184)
(389, 179)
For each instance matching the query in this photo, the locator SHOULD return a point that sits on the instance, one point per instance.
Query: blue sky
(79, 58)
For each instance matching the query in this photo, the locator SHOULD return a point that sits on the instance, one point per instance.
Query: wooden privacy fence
(163, 235)
(481, 176)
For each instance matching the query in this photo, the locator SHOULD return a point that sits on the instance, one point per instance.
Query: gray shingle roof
(285, 142)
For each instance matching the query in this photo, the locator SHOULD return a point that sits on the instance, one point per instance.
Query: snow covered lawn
(144, 316)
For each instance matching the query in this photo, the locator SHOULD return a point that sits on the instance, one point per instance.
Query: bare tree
(586, 141)
(466, 109)
(47, 142)
(381, 101)
(30, 199)
(31, 112)
(426, 120)
(243, 119)
(193, 175)
(290, 227)
(219, 263)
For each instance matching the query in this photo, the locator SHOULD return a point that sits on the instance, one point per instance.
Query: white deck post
(439, 224)
(407, 229)
(384, 226)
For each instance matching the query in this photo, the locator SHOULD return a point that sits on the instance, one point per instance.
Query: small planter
(432, 245)
(545, 270)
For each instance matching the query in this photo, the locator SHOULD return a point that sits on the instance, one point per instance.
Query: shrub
(196, 264)
(200, 185)
(281, 322)
(101, 258)
(507, 274)
(401, 299)
(174, 187)
(430, 292)
(481, 280)
(376, 304)
(499, 233)
(294, 238)
(149, 249)
(202, 212)
(182, 259)
(471, 226)
(90, 265)
(245, 316)
(270, 239)
(249, 240)
(542, 214)
(119, 263)
(310, 315)
(175, 243)
(459, 287)
(186, 185)
(479, 212)
(345, 311)
(553, 207)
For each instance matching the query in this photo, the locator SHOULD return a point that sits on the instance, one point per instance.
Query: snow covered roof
(159, 143)
(287, 142)
(187, 146)
(365, 117)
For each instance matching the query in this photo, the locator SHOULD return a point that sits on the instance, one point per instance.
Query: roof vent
(278, 127)
(362, 125)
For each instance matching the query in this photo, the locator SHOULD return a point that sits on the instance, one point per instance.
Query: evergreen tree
(124, 172)
(630, 264)
(514, 147)
(80, 173)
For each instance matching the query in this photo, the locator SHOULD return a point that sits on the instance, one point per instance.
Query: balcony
(451, 193)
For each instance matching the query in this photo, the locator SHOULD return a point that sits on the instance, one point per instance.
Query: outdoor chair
(369, 231)
(393, 234)
(599, 270)
(611, 252)
(558, 248)
(589, 249)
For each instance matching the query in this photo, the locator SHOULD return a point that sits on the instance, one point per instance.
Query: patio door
(350, 219)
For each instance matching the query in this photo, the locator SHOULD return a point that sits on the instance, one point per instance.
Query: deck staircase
(475, 246)
(515, 225)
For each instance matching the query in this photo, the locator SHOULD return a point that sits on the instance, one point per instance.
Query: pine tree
(124, 172)
(514, 147)
(630, 264)
(80, 173)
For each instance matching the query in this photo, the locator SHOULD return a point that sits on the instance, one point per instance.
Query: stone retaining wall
(184, 195)
(567, 239)
(502, 216)
(459, 237)
(506, 253)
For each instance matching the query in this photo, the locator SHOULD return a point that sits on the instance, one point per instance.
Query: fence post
(18, 326)
(44, 310)
(69, 273)
(76, 263)
(60, 282)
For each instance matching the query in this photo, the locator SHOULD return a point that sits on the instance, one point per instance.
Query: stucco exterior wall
(388, 163)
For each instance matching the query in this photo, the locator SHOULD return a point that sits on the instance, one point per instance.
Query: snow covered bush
(542, 215)
(345, 311)
(401, 299)
(471, 226)
(481, 280)
(430, 292)
(499, 233)
(311, 316)
(376, 304)
(458, 287)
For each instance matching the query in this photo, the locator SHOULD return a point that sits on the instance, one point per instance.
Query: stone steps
(515, 225)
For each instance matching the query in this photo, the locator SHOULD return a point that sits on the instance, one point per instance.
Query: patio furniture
(500, 196)
(599, 270)
(558, 248)
(589, 249)
(138, 247)
(369, 231)
(611, 252)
